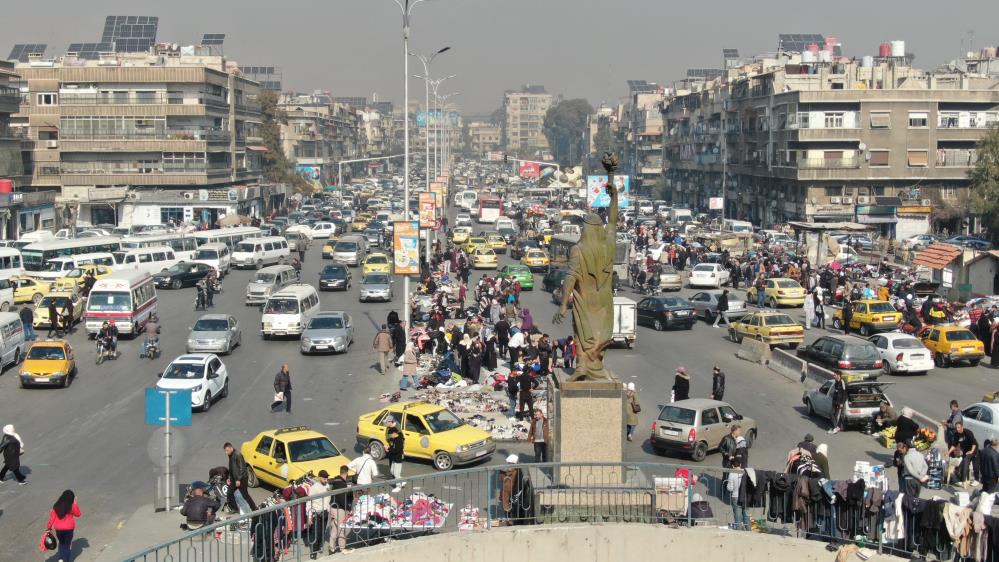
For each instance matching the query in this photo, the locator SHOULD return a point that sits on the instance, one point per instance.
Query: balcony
(956, 158)
(828, 163)
(156, 98)
(146, 134)
(10, 100)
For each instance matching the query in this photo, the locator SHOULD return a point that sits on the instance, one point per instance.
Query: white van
(36, 236)
(6, 294)
(287, 311)
(12, 344)
(350, 250)
(323, 230)
(57, 268)
(738, 227)
(467, 199)
(215, 254)
(268, 281)
(151, 260)
(258, 252)
(127, 299)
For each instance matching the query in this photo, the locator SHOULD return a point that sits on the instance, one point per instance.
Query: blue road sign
(156, 410)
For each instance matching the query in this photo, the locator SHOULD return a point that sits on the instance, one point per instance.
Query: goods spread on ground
(382, 511)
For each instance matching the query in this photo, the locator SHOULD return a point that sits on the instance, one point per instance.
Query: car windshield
(108, 301)
(443, 420)
(668, 269)
(380, 260)
(75, 273)
(881, 307)
(780, 320)
(206, 255)
(326, 323)
(376, 280)
(54, 266)
(861, 352)
(333, 271)
(960, 335)
(46, 352)
(312, 449)
(184, 371)
(788, 284)
(281, 306)
(211, 325)
(345, 247)
(704, 267)
(264, 278)
(178, 268)
(907, 343)
(677, 415)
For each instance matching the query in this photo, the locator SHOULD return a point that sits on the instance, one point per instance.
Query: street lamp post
(426, 127)
(406, 6)
(444, 149)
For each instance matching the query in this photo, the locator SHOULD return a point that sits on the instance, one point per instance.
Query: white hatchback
(708, 275)
(203, 374)
(902, 353)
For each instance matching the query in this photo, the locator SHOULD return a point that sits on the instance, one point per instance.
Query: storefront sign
(596, 191)
(428, 209)
(406, 243)
(716, 203)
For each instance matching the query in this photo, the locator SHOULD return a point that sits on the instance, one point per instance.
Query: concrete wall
(600, 543)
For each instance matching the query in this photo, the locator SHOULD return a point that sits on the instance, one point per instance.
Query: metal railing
(827, 163)
(521, 494)
(151, 134)
(157, 98)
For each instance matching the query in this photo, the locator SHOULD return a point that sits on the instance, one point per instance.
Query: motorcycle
(104, 350)
(152, 350)
(200, 300)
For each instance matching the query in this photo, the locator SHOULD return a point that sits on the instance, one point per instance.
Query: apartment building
(319, 133)
(873, 141)
(640, 136)
(125, 126)
(523, 131)
(484, 138)
(12, 175)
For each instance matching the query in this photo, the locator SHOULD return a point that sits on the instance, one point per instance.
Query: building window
(834, 120)
(879, 158)
(948, 193)
(47, 99)
(949, 120)
(878, 190)
(919, 120)
(834, 191)
(171, 214)
(880, 120)
(918, 159)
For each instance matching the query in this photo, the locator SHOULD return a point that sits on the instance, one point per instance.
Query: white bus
(35, 255)
(10, 262)
(228, 236)
(738, 227)
(127, 299)
(57, 268)
(152, 259)
(183, 244)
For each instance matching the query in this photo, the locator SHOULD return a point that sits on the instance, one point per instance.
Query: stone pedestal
(587, 422)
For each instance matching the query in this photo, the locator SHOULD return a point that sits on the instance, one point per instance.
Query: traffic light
(506, 159)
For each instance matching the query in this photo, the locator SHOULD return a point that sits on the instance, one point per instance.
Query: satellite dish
(862, 146)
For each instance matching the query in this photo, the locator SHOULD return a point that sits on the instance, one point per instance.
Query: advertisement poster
(716, 203)
(428, 210)
(407, 247)
(438, 189)
(596, 192)
(530, 170)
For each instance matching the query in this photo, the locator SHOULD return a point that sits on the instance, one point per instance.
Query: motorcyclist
(201, 301)
(88, 281)
(152, 332)
(297, 265)
(210, 282)
(109, 336)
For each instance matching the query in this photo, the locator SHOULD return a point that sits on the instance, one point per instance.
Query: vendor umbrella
(835, 265)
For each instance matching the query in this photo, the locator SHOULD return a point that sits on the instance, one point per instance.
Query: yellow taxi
(780, 291)
(536, 260)
(472, 243)
(29, 289)
(376, 263)
(431, 432)
(328, 246)
(546, 236)
(74, 280)
(460, 234)
(772, 328)
(484, 258)
(61, 299)
(869, 316)
(360, 221)
(496, 242)
(277, 457)
(950, 344)
(49, 363)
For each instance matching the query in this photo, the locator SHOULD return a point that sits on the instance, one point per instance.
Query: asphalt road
(92, 438)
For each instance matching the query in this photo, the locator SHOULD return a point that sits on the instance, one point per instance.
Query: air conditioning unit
(848, 200)
(927, 202)
(834, 200)
(188, 195)
(863, 200)
(135, 196)
(52, 144)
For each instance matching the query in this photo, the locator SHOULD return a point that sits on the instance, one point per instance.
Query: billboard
(530, 170)
(308, 172)
(494, 156)
(596, 192)
(438, 189)
(436, 118)
(428, 209)
(406, 245)
(716, 203)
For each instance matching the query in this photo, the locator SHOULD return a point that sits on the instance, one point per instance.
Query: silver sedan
(215, 333)
(706, 304)
(328, 332)
(376, 286)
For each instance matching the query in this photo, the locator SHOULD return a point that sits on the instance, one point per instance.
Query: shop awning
(877, 219)
(937, 255)
(257, 148)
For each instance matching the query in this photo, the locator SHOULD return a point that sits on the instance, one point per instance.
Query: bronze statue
(588, 283)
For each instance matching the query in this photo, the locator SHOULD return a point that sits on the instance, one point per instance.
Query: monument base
(587, 421)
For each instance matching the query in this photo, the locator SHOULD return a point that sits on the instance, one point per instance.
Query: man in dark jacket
(199, 510)
(502, 329)
(238, 475)
(839, 397)
(990, 466)
(681, 385)
(722, 312)
(847, 314)
(27, 322)
(398, 339)
(396, 451)
(717, 384)
(282, 385)
(53, 318)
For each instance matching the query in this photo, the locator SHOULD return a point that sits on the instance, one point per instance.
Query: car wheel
(36, 298)
(176, 284)
(750, 437)
(974, 362)
(225, 390)
(443, 461)
(377, 449)
(940, 360)
(707, 316)
(259, 264)
(886, 368)
(689, 326)
(251, 478)
(809, 408)
(773, 303)
(658, 325)
(700, 452)
(865, 330)
(837, 324)
(208, 402)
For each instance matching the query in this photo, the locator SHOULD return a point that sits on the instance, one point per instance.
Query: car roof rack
(292, 429)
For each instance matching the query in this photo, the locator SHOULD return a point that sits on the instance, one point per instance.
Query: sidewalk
(141, 530)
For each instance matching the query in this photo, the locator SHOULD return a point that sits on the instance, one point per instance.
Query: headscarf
(9, 430)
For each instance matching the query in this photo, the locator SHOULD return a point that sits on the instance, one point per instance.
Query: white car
(203, 374)
(983, 420)
(708, 275)
(919, 241)
(902, 353)
(323, 230)
(463, 219)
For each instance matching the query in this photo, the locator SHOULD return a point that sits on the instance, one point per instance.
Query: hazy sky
(578, 48)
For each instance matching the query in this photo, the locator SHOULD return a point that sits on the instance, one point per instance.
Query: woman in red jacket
(62, 520)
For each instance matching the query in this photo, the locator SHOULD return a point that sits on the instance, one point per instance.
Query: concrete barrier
(601, 543)
(787, 364)
(817, 373)
(754, 350)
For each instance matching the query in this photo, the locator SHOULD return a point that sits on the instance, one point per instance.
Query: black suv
(848, 355)
(553, 279)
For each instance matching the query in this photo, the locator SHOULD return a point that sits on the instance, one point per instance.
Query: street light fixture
(444, 149)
